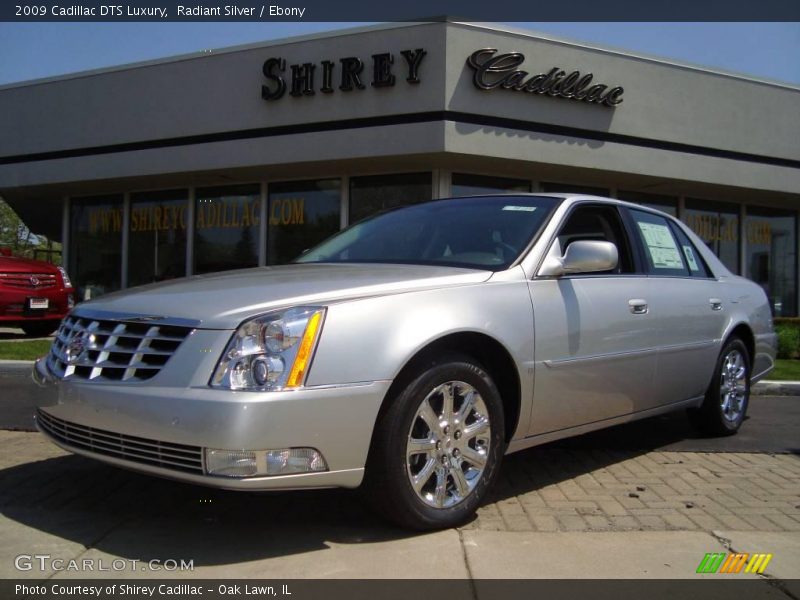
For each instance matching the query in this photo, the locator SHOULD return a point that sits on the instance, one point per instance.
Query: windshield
(482, 232)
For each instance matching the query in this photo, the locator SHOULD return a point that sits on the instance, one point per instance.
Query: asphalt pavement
(772, 425)
(17, 396)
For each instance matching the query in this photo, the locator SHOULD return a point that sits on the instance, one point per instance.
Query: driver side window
(598, 223)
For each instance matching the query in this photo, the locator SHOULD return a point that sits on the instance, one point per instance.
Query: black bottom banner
(405, 589)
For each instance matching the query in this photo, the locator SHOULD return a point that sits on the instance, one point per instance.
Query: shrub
(788, 341)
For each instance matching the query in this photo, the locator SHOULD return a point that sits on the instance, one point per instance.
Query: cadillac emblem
(76, 347)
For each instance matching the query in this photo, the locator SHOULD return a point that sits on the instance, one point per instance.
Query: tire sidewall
(714, 400)
(404, 410)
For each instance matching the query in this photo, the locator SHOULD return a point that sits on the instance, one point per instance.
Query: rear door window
(695, 262)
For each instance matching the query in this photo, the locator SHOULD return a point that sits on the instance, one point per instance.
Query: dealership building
(247, 156)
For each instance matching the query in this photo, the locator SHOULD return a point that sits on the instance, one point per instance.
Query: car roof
(576, 197)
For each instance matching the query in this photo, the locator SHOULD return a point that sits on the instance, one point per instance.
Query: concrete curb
(776, 388)
(16, 363)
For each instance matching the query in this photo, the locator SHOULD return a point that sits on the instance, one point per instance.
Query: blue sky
(33, 50)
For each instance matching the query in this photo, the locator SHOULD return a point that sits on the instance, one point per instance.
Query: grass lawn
(785, 370)
(24, 350)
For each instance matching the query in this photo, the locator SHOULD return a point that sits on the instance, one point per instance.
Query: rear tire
(728, 396)
(39, 328)
(437, 448)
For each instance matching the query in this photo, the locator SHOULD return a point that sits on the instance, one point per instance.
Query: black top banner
(402, 10)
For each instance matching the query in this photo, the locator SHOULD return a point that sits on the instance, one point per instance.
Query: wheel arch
(708, 416)
(745, 333)
(487, 351)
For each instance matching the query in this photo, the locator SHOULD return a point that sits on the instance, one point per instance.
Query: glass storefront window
(477, 185)
(157, 242)
(771, 261)
(717, 224)
(95, 253)
(227, 221)
(568, 188)
(666, 204)
(373, 193)
(301, 215)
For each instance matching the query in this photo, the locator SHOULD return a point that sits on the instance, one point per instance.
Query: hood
(224, 300)
(15, 264)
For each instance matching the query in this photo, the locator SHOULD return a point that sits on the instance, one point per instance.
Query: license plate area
(37, 304)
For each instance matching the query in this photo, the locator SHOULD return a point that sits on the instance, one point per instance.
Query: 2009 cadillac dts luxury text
(411, 351)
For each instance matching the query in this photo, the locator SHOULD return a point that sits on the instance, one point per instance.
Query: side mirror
(582, 256)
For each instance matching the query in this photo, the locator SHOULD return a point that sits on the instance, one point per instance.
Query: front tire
(725, 405)
(437, 448)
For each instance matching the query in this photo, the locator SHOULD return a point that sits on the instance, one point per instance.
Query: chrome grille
(107, 350)
(178, 457)
(28, 281)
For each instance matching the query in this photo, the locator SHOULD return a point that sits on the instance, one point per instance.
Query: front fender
(372, 339)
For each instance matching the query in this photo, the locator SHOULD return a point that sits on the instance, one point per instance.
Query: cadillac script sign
(494, 70)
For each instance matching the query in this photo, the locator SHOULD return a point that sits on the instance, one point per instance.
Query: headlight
(64, 277)
(271, 352)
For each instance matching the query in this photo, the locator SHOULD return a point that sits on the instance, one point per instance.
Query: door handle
(638, 306)
(716, 303)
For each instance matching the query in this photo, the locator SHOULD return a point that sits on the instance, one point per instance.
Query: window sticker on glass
(689, 254)
(661, 245)
(520, 208)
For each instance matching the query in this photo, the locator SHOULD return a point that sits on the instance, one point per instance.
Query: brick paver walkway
(542, 489)
(552, 489)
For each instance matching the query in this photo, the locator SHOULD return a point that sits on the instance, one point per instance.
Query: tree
(13, 233)
(16, 236)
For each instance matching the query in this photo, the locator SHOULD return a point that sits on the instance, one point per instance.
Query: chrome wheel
(448, 444)
(733, 385)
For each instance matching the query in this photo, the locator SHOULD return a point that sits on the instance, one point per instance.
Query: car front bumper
(13, 302)
(135, 426)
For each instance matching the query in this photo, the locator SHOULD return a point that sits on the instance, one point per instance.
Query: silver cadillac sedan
(408, 353)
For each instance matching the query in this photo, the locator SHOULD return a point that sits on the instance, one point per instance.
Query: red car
(34, 295)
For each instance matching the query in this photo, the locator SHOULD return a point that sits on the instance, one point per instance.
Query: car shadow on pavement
(128, 515)
(134, 516)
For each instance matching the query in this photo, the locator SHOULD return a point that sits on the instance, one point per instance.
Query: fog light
(231, 463)
(260, 463)
(294, 460)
